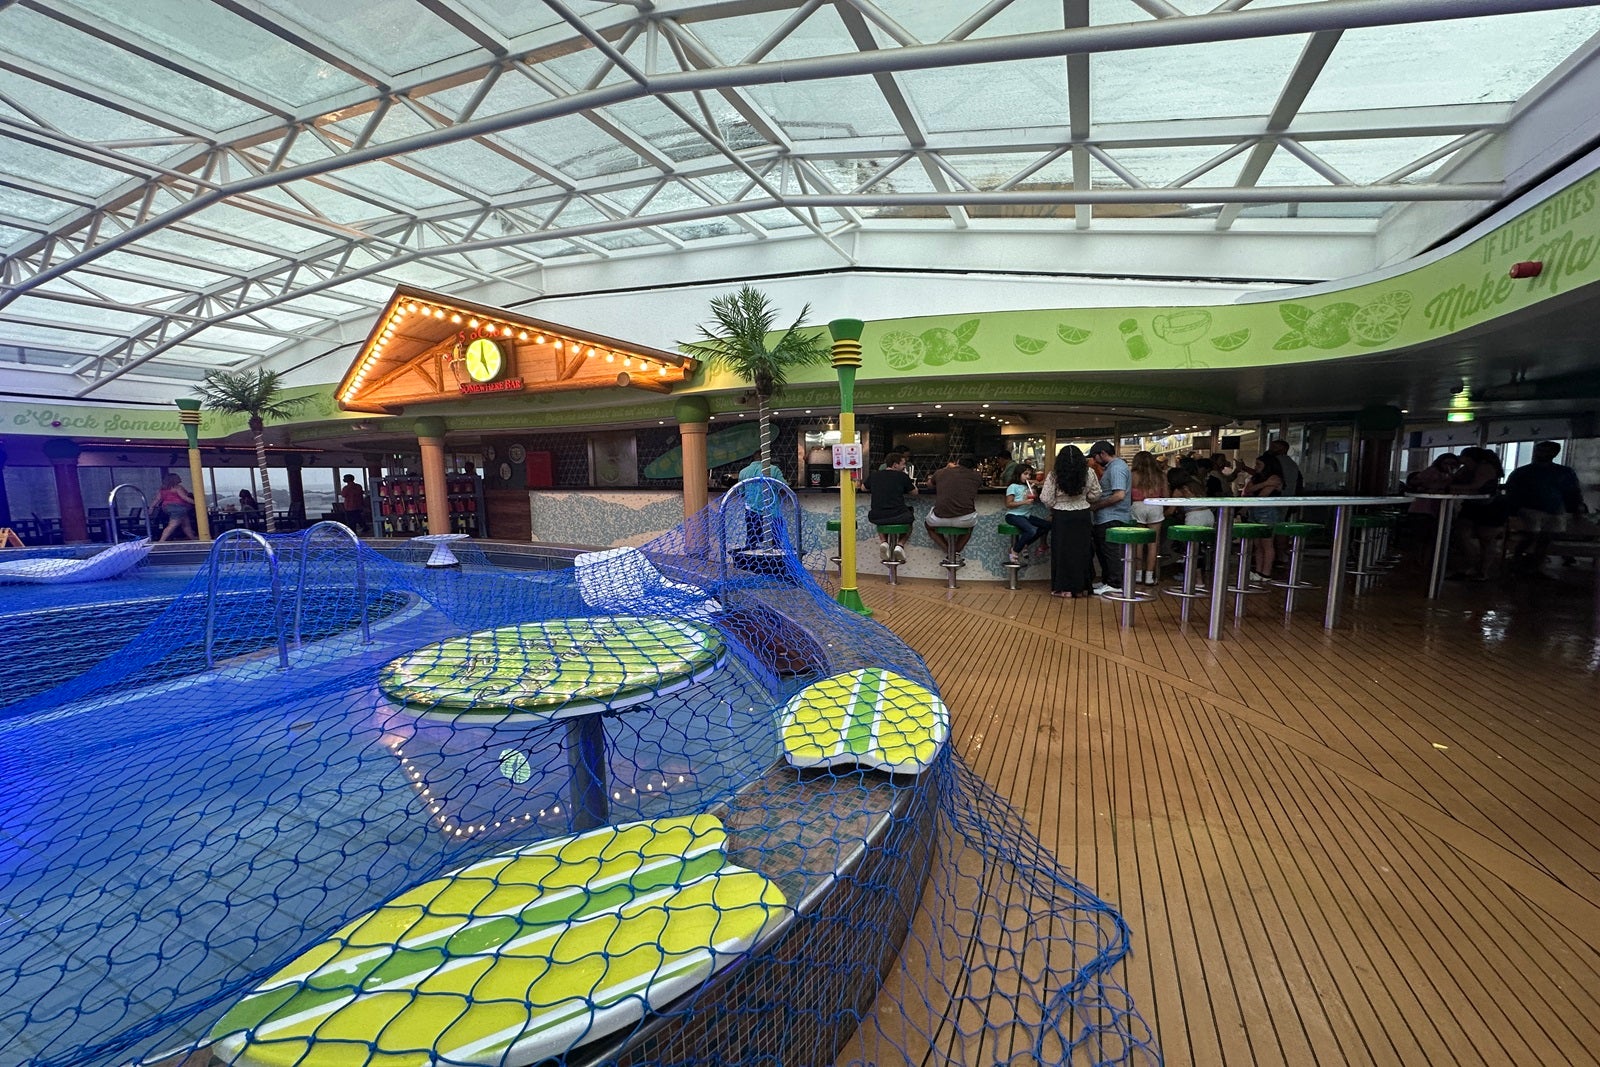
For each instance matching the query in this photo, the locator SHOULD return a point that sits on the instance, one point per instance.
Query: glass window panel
(279, 319)
(37, 357)
(10, 236)
(330, 202)
(91, 60)
(56, 170)
(99, 284)
(574, 147)
(69, 314)
(392, 40)
(195, 246)
(62, 339)
(398, 122)
(1449, 62)
(228, 338)
(731, 39)
(838, 107)
(513, 18)
(672, 197)
(390, 182)
(697, 231)
(420, 274)
(1165, 165)
(499, 261)
(775, 220)
(629, 239)
(372, 292)
(1284, 168)
(251, 226)
(511, 91)
(1223, 78)
(476, 167)
(228, 44)
(84, 119)
(130, 262)
(323, 306)
(30, 206)
(990, 171)
(1365, 161)
(909, 177)
(665, 131)
(993, 96)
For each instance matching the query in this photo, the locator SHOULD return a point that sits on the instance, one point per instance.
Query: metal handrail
(782, 492)
(113, 529)
(277, 591)
(361, 576)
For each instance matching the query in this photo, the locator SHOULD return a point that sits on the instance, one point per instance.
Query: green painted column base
(851, 598)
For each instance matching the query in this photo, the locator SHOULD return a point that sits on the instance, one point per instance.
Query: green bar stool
(1296, 532)
(1369, 524)
(897, 553)
(1129, 537)
(951, 562)
(837, 526)
(1244, 533)
(1191, 537)
(1010, 532)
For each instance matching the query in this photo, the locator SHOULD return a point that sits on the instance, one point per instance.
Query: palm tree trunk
(266, 483)
(764, 421)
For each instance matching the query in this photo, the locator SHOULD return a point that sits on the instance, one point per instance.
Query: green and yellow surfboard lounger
(867, 718)
(515, 958)
(553, 669)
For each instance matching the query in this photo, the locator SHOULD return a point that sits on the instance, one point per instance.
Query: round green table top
(554, 669)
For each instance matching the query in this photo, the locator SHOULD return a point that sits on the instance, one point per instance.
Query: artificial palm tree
(736, 340)
(252, 393)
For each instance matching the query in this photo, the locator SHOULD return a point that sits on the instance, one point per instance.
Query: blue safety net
(664, 804)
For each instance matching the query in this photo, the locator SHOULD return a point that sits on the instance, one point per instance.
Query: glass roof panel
(392, 182)
(512, 90)
(699, 231)
(255, 227)
(40, 357)
(160, 269)
(1222, 78)
(778, 219)
(477, 167)
(1455, 61)
(228, 44)
(9, 236)
(36, 307)
(57, 170)
(374, 293)
(96, 283)
(629, 239)
(513, 18)
(732, 39)
(1165, 165)
(17, 333)
(336, 206)
(193, 244)
(1285, 168)
(382, 37)
(994, 96)
(30, 207)
(1365, 161)
(279, 319)
(84, 119)
(322, 305)
(574, 146)
(991, 170)
(81, 57)
(229, 338)
(665, 131)
(823, 110)
(425, 275)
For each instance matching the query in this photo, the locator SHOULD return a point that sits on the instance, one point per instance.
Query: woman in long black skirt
(1068, 492)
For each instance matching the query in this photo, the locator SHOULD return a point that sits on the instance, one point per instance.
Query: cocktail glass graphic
(1183, 328)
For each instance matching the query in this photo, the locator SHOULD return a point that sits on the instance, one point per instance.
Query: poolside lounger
(107, 564)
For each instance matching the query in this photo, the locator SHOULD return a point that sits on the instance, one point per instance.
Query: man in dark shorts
(890, 487)
(955, 502)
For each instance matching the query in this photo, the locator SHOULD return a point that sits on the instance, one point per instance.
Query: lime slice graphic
(939, 346)
(1329, 327)
(1398, 299)
(1072, 335)
(1229, 341)
(1376, 323)
(901, 350)
(1028, 346)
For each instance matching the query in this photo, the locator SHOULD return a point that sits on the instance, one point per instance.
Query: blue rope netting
(660, 805)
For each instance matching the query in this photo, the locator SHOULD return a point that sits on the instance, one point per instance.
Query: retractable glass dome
(194, 184)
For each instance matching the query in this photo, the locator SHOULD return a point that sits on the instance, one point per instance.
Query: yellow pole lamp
(189, 417)
(846, 358)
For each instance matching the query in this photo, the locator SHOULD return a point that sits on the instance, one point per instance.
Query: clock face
(484, 360)
(517, 453)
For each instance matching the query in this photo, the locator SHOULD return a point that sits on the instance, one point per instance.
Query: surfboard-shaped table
(568, 670)
(516, 958)
(867, 718)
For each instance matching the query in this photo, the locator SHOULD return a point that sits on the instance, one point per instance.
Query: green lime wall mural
(1463, 289)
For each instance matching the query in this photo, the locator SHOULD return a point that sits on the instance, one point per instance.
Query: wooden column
(435, 486)
(692, 413)
(63, 456)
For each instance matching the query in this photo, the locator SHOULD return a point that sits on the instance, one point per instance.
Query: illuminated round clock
(484, 360)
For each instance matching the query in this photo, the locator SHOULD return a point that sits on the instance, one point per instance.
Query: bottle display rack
(403, 505)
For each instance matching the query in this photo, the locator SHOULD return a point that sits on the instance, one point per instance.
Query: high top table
(1441, 533)
(1225, 506)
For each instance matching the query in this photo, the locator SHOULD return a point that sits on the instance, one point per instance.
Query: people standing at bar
(1114, 508)
(1070, 491)
(1482, 523)
(955, 502)
(1422, 516)
(1265, 482)
(1542, 494)
(1219, 479)
(1292, 484)
(1149, 479)
(891, 489)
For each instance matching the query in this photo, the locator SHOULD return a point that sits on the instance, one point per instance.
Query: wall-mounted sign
(846, 457)
(504, 385)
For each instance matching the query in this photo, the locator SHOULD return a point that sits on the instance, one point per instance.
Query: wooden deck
(1379, 845)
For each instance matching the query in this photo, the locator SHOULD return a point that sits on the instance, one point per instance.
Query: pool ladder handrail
(361, 576)
(277, 592)
(113, 528)
(782, 494)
